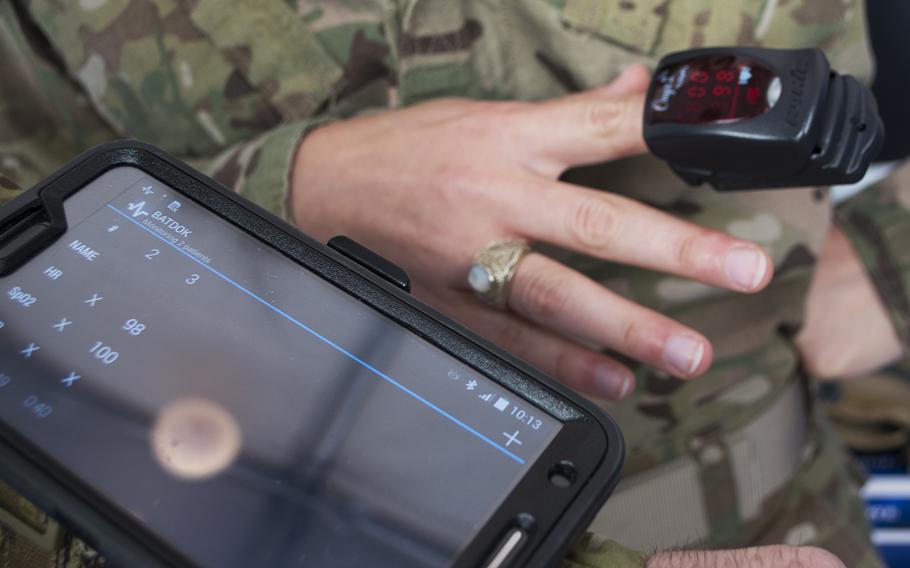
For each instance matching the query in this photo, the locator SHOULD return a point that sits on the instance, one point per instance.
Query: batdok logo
(798, 75)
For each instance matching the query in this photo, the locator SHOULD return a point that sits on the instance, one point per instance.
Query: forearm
(592, 552)
(857, 315)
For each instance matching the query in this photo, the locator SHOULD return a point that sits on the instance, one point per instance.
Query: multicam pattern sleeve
(228, 87)
(595, 552)
(877, 222)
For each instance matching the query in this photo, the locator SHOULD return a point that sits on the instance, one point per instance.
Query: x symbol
(29, 350)
(70, 379)
(512, 439)
(94, 299)
(61, 324)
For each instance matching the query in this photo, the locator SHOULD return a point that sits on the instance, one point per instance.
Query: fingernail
(613, 383)
(683, 353)
(745, 267)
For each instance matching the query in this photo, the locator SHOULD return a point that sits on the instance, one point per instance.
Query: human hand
(847, 331)
(756, 557)
(428, 186)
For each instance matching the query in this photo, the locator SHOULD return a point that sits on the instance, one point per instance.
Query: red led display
(719, 88)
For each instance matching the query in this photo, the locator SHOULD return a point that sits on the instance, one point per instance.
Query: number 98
(133, 327)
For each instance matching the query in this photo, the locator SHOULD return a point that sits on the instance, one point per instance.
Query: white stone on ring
(480, 279)
(494, 266)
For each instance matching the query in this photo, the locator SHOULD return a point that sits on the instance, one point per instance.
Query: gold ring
(494, 266)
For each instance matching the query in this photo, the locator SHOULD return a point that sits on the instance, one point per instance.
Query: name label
(83, 250)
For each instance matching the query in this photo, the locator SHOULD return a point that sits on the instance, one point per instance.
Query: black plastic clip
(27, 228)
(371, 261)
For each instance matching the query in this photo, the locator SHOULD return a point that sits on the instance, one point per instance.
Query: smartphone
(189, 381)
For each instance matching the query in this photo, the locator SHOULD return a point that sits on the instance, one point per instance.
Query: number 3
(192, 279)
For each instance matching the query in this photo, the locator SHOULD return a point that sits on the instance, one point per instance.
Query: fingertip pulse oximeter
(750, 118)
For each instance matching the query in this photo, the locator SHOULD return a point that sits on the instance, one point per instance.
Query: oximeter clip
(749, 118)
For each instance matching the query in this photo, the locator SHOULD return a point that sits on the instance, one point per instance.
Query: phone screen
(239, 406)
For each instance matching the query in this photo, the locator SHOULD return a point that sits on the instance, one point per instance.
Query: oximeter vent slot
(851, 133)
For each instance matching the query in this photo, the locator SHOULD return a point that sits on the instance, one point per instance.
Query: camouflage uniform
(737, 457)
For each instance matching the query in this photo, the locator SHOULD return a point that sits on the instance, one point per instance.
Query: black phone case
(552, 517)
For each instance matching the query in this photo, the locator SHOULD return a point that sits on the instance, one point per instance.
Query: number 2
(152, 254)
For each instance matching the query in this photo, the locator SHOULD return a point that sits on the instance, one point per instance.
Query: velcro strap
(676, 503)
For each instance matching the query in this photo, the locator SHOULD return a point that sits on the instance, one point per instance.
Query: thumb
(775, 556)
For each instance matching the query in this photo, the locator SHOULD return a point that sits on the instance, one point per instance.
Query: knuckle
(605, 118)
(543, 296)
(687, 250)
(593, 222)
(630, 334)
(637, 342)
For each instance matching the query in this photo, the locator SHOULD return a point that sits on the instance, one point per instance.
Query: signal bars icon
(501, 403)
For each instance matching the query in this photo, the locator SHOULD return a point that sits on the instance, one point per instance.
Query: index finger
(583, 129)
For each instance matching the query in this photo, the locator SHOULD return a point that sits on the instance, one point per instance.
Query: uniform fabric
(231, 86)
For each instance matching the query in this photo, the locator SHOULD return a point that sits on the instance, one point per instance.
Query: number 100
(104, 353)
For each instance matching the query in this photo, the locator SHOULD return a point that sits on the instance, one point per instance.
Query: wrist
(306, 176)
